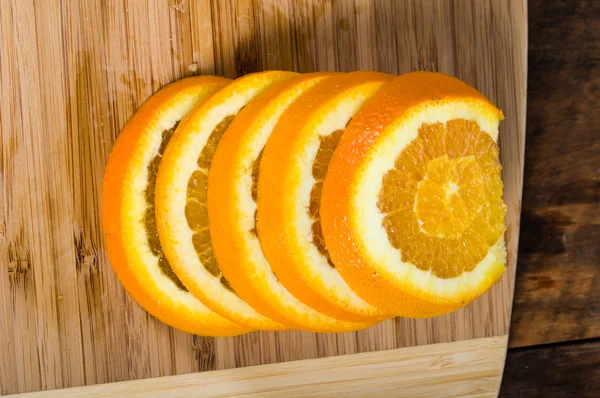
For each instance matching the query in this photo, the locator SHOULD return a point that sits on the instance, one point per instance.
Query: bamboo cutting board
(73, 72)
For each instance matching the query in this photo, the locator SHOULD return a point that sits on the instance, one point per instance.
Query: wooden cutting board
(73, 72)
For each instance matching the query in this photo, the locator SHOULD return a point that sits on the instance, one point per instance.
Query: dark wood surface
(556, 370)
(555, 350)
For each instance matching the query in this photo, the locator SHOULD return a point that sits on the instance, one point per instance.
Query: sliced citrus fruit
(232, 191)
(181, 192)
(128, 211)
(293, 165)
(412, 205)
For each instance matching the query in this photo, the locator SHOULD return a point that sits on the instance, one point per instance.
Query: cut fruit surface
(128, 216)
(233, 182)
(293, 165)
(412, 206)
(181, 198)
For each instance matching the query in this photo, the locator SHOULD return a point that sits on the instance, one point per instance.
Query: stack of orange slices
(324, 202)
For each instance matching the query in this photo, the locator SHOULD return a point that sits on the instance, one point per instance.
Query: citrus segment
(293, 166)
(181, 198)
(196, 211)
(319, 170)
(232, 194)
(444, 191)
(412, 207)
(128, 212)
(150, 216)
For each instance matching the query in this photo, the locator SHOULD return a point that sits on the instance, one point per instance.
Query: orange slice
(293, 165)
(181, 191)
(412, 205)
(128, 211)
(232, 190)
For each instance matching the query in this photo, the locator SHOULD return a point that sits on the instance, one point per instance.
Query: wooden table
(555, 331)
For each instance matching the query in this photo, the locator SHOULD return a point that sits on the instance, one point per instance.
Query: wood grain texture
(556, 295)
(557, 370)
(468, 368)
(72, 73)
